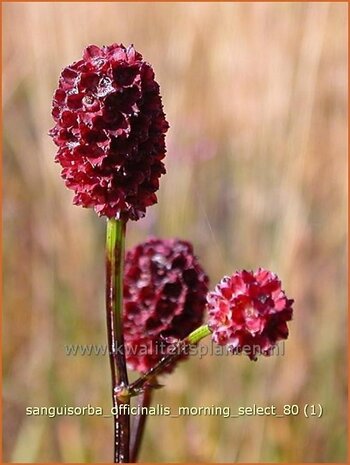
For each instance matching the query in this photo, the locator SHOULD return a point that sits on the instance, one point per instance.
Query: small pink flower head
(165, 291)
(110, 131)
(248, 312)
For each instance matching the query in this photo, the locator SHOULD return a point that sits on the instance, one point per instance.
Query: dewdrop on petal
(110, 129)
(248, 312)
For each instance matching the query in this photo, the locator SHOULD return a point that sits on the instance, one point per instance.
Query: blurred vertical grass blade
(29, 441)
(73, 451)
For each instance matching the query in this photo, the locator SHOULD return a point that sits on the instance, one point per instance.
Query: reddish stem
(144, 400)
(114, 305)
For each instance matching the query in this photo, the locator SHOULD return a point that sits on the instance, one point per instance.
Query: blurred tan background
(256, 96)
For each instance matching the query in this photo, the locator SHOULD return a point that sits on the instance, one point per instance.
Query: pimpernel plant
(110, 131)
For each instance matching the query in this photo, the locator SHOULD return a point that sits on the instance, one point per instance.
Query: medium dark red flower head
(110, 128)
(165, 291)
(248, 312)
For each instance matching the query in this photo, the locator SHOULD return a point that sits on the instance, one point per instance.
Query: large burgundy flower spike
(110, 128)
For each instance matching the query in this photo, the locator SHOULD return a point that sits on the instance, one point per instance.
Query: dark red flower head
(110, 128)
(248, 312)
(164, 299)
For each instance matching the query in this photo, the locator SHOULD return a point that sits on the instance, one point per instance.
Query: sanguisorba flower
(165, 291)
(110, 129)
(248, 312)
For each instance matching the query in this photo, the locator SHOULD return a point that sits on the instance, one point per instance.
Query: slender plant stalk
(143, 386)
(115, 243)
(178, 349)
(144, 400)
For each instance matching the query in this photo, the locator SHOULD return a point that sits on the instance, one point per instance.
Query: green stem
(115, 244)
(178, 349)
(198, 334)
